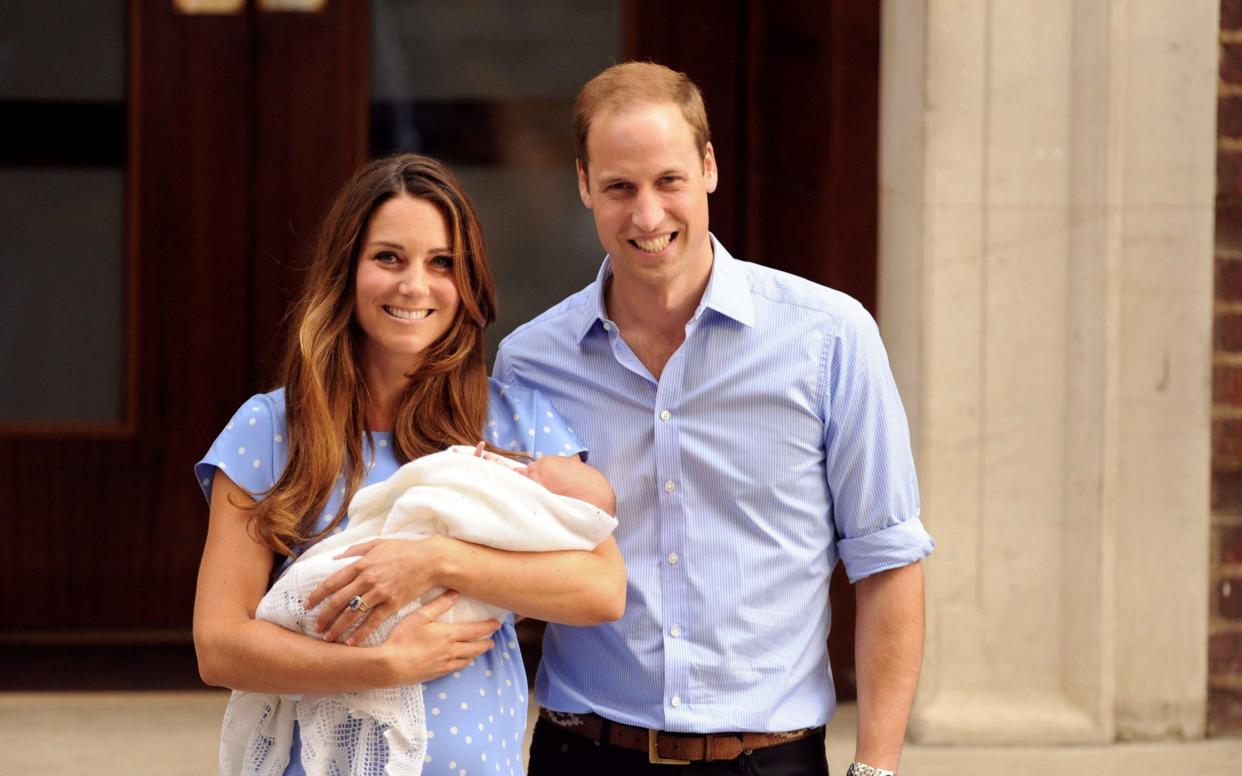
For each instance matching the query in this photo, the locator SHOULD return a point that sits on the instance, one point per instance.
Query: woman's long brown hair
(444, 402)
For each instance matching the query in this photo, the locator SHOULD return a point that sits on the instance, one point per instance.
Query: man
(749, 423)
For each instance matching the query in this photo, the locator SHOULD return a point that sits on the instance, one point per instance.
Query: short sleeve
(522, 420)
(869, 463)
(250, 449)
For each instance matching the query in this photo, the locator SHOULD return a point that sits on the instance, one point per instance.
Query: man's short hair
(639, 83)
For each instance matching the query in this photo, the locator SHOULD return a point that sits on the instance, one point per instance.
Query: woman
(385, 363)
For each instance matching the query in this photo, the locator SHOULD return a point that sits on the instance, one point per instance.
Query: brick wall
(1225, 640)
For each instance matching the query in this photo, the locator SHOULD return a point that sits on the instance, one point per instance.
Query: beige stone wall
(1045, 287)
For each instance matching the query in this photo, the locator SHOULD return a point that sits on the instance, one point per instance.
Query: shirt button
(607, 326)
(675, 631)
(676, 701)
(665, 415)
(672, 559)
(669, 487)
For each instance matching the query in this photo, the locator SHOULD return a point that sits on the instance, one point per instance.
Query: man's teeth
(656, 245)
(409, 315)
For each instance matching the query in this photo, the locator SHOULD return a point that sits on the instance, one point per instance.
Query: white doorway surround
(1047, 182)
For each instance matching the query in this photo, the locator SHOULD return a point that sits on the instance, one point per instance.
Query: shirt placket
(674, 587)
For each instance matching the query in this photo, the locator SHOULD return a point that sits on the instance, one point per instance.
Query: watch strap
(862, 769)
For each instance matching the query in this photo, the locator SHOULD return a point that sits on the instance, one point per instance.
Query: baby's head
(571, 477)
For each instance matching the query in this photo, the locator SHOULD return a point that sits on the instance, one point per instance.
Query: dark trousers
(555, 751)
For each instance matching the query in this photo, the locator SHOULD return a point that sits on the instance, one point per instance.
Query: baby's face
(553, 472)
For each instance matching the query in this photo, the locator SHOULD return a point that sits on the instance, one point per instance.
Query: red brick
(1231, 63)
(1229, 332)
(1227, 437)
(1224, 715)
(1229, 225)
(1228, 607)
(1231, 14)
(1227, 385)
(1228, 279)
(1228, 173)
(1229, 116)
(1229, 550)
(1227, 492)
(1225, 655)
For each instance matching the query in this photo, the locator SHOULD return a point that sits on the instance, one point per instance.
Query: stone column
(1047, 176)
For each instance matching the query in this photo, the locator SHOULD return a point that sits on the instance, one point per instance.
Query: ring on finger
(358, 605)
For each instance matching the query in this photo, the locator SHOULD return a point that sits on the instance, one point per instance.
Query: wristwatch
(862, 769)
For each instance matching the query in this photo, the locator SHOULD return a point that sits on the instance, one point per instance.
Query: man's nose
(648, 212)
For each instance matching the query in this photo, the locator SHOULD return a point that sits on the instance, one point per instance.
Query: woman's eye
(443, 262)
(387, 257)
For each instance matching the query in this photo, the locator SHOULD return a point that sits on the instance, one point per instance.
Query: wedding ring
(358, 605)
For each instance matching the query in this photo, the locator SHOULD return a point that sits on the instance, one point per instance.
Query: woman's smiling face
(405, 296)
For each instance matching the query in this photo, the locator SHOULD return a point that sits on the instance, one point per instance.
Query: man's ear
(584, 188)
(710, 174)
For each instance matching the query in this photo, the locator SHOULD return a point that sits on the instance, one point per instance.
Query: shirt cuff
(889, 548)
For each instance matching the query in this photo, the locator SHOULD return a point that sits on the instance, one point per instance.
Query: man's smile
(655, 244)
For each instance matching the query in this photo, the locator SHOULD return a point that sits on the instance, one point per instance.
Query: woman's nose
(412, 282)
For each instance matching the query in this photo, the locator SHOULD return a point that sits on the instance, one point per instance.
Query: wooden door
(236, 130)
(233, 132)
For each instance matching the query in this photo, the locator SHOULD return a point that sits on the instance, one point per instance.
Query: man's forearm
(888, 657)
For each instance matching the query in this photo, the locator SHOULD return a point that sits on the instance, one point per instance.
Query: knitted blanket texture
(383, 732)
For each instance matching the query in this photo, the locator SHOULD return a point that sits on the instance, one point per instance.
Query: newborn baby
(553, 504)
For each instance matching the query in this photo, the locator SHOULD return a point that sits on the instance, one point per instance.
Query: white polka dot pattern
(464, 700)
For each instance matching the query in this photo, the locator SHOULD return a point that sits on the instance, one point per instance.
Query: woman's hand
(388, 574)
(421, 649)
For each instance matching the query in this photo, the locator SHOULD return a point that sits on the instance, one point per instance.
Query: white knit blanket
(450, 493)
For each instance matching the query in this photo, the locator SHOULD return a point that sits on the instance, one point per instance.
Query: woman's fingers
(371, 609)
(368, 623)
(437, 606)
(329, 586)
(432, 649)
(471, 649)
(359, 549)
(475, 631)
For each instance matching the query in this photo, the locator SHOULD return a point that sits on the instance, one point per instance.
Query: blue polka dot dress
(476, 717)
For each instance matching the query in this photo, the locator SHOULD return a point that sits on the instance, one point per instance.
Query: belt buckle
(653, 751)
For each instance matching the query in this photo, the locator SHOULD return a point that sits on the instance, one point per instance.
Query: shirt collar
(728, 289)
(727, 292)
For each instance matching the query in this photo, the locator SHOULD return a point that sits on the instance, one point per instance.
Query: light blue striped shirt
(773, 443)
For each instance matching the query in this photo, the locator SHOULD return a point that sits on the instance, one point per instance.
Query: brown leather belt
(670, 748)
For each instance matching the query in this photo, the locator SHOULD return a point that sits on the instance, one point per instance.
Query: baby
(566, 477)
(553, 503)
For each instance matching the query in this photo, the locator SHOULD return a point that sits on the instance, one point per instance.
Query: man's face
(647, 188)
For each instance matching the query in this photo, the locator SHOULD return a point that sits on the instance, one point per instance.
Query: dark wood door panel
(107, 525)
(812, 184)
(312, 88)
